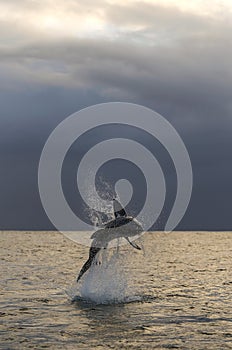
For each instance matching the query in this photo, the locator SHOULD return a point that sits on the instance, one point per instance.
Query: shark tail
(92, 253)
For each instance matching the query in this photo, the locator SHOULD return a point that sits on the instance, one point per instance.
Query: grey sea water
(175, 295)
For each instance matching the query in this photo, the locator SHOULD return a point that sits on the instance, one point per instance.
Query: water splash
(105, 208)
(106, 282)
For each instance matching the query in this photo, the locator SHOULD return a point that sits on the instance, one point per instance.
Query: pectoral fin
(134, 245)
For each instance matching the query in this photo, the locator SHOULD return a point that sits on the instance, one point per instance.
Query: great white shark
(122, 226)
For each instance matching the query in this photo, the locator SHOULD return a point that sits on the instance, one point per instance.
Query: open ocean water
(174, 295)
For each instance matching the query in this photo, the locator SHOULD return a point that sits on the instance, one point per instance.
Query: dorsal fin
(118, 209)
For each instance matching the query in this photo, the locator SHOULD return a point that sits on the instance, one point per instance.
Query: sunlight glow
(81, 20)
(79, 26)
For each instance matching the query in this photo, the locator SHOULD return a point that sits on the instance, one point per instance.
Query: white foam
(105, 283)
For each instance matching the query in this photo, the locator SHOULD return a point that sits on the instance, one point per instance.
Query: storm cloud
(56, 58)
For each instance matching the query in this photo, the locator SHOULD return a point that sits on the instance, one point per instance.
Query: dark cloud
(192, 69)
(171, 60)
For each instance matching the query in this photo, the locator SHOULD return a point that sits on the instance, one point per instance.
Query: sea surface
(174, 294)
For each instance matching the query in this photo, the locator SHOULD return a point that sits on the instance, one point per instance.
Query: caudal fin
(92, 253)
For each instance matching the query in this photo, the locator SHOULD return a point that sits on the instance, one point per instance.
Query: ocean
(174, 294)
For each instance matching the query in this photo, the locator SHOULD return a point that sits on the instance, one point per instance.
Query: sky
(174, 57)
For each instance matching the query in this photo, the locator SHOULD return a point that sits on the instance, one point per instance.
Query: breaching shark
(122, 226)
